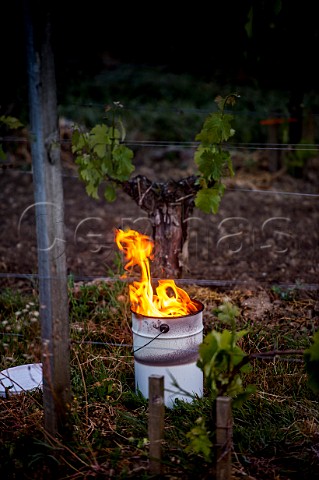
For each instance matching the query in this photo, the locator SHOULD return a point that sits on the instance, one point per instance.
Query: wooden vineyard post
(48, 195)
(156, 422)
(224, 435)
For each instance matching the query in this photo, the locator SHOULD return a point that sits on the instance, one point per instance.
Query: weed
(275, 431)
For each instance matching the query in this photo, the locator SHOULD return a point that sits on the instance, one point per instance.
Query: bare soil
(266, 232)
(261, 246)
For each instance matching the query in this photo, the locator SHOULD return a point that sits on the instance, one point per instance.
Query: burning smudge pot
(167, 326)
(168, 346)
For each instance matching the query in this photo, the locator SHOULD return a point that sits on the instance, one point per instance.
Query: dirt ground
(266, 232)
(264, 236)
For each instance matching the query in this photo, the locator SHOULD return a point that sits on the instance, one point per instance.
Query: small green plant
(282, 293)
(222, 362)
(200, 441)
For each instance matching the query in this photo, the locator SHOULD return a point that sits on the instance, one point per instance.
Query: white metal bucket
(168, 346)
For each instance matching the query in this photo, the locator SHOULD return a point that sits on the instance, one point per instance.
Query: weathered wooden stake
(224, 435)
(48, 194)
(156, 422)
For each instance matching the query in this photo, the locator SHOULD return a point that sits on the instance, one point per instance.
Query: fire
(169, 299)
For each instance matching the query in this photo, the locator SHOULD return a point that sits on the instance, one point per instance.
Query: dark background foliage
(265, 44)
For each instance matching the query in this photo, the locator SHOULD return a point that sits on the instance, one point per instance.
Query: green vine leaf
(227, 313)
(222, 360)
(208, 199)
(92, 190)
(110, 193)
(199, 440)
(11, 122)
(8, 123)
(213, 162)
(219, 355)
(216, 129)
(102, 158)
(241, 397)
(123, 166)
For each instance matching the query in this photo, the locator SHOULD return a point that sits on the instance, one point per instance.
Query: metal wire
(266, 356)
(184, 281)
(229, 189)
(186, 144)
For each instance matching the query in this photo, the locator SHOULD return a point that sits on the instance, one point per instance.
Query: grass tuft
(275, 431)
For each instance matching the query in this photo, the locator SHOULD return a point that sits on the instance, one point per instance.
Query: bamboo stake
(224, 434)
(156, 422)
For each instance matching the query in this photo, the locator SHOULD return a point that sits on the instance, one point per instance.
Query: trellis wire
(185, 144)
(230, 189)
(275, 355)
(184, 281)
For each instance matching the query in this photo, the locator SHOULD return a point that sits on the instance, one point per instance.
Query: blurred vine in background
(7, 124)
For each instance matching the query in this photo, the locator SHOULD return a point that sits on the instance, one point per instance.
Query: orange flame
(169, 300)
